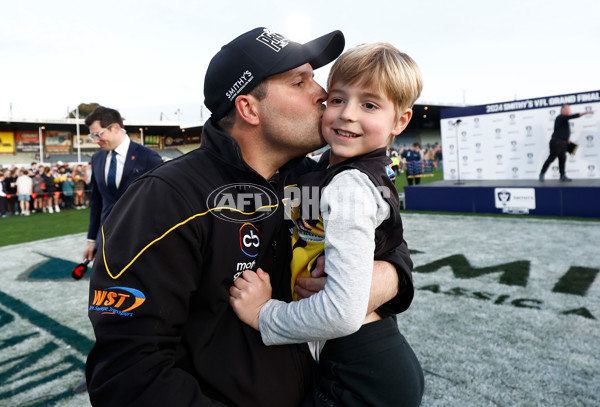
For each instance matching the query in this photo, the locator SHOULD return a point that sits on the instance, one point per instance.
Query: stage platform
(578, 198)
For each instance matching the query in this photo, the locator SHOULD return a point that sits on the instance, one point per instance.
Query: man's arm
(384, 284)
(94, 223)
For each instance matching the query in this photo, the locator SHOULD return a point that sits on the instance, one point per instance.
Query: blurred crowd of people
(43, 188)
(431, 156)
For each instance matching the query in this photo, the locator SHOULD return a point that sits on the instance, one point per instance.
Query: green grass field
(22, 229)
(401, 181)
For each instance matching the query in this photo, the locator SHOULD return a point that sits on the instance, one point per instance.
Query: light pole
(142, 135)
(78, 139)
(41, 144)
(458, 182)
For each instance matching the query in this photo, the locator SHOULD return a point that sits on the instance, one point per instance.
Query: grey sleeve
(352, 208)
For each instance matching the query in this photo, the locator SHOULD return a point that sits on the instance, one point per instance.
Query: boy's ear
(403, 121)
(247, 109)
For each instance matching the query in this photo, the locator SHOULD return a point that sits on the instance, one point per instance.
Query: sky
(148, 58)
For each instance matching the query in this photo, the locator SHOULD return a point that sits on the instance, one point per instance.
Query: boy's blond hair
(382, 66)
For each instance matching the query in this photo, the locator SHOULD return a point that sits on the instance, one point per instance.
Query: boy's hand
(248, 294)
(307, 286)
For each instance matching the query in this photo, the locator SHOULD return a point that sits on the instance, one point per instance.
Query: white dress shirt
(121, 156)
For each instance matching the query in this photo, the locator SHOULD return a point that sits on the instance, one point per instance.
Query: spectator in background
(88, 183)
(60, 177)
(49, 190)
(24, 191)
(395, 162)
(3, 200)
(430, 154)
(439, 157)
(38, 191)
(80, 173)
(79, 191)
(413, 160)
(11, 190)
(67, 191)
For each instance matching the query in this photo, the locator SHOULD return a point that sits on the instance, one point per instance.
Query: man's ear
(403, 121)
(246, 106)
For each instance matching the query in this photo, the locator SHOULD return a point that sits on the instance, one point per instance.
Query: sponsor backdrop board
(509, 140)
(7, 142)
(28, 141)
(58, 141)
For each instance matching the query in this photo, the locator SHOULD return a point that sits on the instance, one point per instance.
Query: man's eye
(370, 106)
(335, 101)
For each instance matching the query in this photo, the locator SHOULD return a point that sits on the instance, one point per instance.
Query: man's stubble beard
(295, 142)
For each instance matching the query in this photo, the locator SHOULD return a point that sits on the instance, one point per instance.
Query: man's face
(291, 113)
(566, 110)
(110, 137)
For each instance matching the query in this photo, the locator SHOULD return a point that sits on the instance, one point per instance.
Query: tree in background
(84, 110)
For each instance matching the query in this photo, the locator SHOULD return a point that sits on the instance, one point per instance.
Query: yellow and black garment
(309, 235)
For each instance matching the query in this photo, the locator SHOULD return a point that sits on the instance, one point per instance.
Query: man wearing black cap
(165, 332)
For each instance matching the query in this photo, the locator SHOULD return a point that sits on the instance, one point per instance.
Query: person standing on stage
(559, 143)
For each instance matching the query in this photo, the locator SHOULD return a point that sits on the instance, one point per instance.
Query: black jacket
(390, 232)
(165, 333)
(562, 130)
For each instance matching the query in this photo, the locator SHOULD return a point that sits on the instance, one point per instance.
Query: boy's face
(359, 120)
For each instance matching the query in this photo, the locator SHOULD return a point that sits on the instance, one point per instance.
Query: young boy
(372, 89)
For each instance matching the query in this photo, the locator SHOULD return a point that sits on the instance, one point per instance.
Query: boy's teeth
(343, 133)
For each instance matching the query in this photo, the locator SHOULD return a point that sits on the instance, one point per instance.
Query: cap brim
(317, 53)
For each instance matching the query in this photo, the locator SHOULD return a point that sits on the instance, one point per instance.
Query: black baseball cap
(256, 55)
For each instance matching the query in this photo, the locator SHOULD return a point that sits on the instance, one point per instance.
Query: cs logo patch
(117, 301)
(249, 239)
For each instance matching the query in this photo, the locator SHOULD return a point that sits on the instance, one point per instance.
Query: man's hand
(89, 251)
(248, 294)
(307, 286)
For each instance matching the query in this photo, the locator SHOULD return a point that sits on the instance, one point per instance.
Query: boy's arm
(384, 285)
(392, 289)
(340, 309)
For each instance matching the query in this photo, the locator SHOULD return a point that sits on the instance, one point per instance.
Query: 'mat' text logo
(117, 301)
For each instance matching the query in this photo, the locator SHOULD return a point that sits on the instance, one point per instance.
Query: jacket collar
(378, 154)
(226, 148)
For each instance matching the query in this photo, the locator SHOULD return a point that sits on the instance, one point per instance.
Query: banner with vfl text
(509, 140)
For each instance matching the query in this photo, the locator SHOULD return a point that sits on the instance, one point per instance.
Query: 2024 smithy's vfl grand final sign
(509, 140)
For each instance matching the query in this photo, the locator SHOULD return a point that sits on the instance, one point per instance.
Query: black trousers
(416, 180)
(558, 148)
(372, 367)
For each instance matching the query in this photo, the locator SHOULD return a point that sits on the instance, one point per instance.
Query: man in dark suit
(114, 168)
